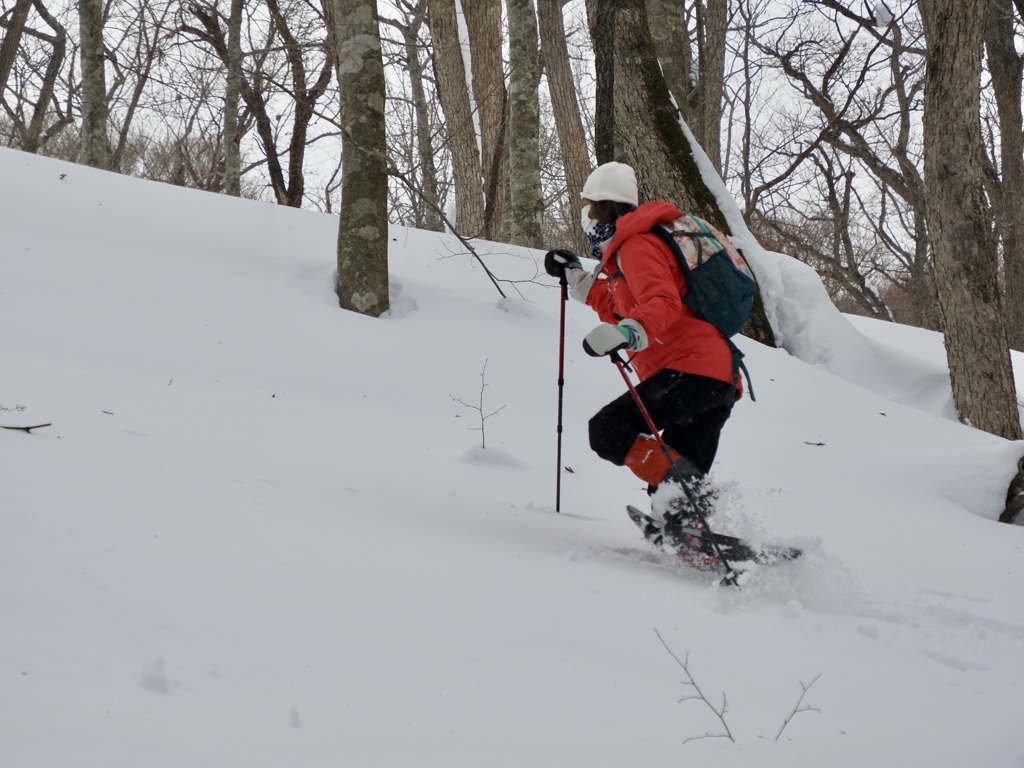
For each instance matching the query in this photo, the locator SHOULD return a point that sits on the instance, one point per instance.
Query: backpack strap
(666, 237)
(737, 366)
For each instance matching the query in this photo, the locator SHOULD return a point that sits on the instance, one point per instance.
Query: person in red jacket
(685, 366)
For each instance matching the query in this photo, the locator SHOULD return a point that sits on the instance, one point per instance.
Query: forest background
(814, 113)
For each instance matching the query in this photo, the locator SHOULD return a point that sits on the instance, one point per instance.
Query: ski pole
(731, 575)
(561, 387)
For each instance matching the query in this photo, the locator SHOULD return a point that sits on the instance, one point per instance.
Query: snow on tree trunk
(363, 221)
(696, 83)
(671, 37)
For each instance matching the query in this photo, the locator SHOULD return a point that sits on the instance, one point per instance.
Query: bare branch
(698, 695)
(797, 709)
(393, 171)
(480, 407)
(28, 430)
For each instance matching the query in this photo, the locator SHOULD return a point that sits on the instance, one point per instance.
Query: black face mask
(599, 234)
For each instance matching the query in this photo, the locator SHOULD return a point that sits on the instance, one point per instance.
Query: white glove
(606, 338)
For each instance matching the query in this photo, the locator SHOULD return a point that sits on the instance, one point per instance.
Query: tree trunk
(647, 130)
(711, 80)
(958, 219)
(95, 149)
(147, 50)
(675, 54)
(428, 214)
(232, 96)
(524, 215)
(696, 83)
(363, 221)
(601, 17)
(12, 39)
(32, 129)
(483, 23)
(562, 89)
(453, 92)
(1007, 70)
(922, 274)
(304, 96)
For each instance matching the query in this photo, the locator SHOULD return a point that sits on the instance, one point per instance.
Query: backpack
(720, 287)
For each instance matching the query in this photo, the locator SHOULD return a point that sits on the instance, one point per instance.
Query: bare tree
(418, 144)
(483, 24)
(712, 23)
(453, 92)
(671, 34)
(860, 86)
(135, 36)
(232, 97)
(284, 166)
(524, 214)
(14, 22)
(32, 99)
(1007, 69)
(602, 16)
(647, 130)
(95, 149)
(958, 219)
(826, 235)
(565, 107)
(692, 58)
(363, 224)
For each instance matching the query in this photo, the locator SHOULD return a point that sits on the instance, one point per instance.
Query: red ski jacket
(643, 282)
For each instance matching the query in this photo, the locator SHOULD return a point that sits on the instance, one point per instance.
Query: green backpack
(720, 286)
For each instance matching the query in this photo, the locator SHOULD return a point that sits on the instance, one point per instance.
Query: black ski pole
(561, 387)
(731, 574)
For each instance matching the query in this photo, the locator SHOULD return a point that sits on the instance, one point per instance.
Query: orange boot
(650, 460)
(657, 464)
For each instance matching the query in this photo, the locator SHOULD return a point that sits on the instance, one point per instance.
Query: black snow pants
(689, 410)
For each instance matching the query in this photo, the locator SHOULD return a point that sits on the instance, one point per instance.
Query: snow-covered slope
(262, 531)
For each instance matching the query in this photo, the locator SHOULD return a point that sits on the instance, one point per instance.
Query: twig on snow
(698, 695)
(797, 709)
(28, 429)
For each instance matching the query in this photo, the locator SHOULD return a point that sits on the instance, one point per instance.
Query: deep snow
(261, 531)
